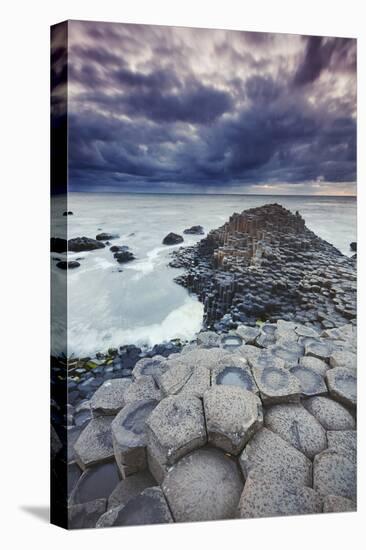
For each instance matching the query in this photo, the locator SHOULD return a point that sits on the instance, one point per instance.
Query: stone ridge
(266, 264)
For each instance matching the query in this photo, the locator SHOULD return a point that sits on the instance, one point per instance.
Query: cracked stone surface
(198, 383)
(343, 442)
(232, 415)
(270, 457)
(276, 385)
(331, 414)
(208, 339)
(342, 384)
(204, 485)
(176, 427)
(335, 474)
(248, 334)
(129, 436)
(298, 427)
(129, 488)
(142, 388)
(109, 399)
(337, 504)
(150, 366)
(346, 359)
(312, 383)
(85, 516)
(94, 444)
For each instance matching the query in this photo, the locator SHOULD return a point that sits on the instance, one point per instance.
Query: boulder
(109, 398)
(353, 246)
(172, 238)
(298, 427)
(248, 334)
(194, 230)
(208, 339)
(335, 474)
(81, 244)
(68, 265)
(331, 414)
(204, 485)
(269, 456)
(95, 483)
(129, 436)
(232, 416)
(311, 382)
(337, 504)
(106, 236)
(342, 384)
(119, 248)
(68, 213)
(58, 245)
(124, 256)
(129, 488)
(276, 385)
(94, 444)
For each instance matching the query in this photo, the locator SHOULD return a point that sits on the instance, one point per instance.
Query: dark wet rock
(96, 483)
(172, 238)
(276, 385)
(68, 265)
(68, 213)
(106, 236)
(81, 244)
(58, 245)
(232, 416)
(129, 488)
(195, 230)
(312, 383)
(124, 256)
(204, 485)
(337, 504)
(73, 475)
(94, 444)
(298, 427)
(353, 246)
(330, 414)
(118, 248)
(335, 474)
(342, 384)
(129, 436)
(86, 515)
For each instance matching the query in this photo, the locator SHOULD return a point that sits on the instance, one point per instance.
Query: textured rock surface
(311, 382)
(204, 485)
(330, 414)
(95, 442)
(109, 398)
(129, 488)
(142, 388)
(334, 474)
(84, 516)
(337, 504)
(238, 375)
(342, 358)
(276, 385)
(342, 384)
(343, 442)
(95, 483)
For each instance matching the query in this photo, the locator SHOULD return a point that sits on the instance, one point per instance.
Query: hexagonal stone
(204, 485)
(234, 375)
(276, 385)
(129, 436)
(266, 336)
(232, 415)
(261, 498)
(345, 332)
(94, 444)
(289, 351)
(319, 349)
(335, 474)
(337, 504)
(231, 341)
(272, 458)
(286, 331)
(312, 383)
(141, 389)
(208, 339)
(248, 334)
(202, 357)
(248, 352)
(342, 384)
(331, 414)
(95, 483)
(85, 516)
(129, 488)
(109, 398)
(198, 383)
(346, 359)
(306, 332)
(315, 364)
(298, 427)
(343, 442)
(147, 508)
(175, 377)
(150, 366)
(176, 427)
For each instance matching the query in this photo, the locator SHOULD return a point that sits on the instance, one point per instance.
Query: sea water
(111, 304)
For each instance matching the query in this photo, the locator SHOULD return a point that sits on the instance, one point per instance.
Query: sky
(183, 110)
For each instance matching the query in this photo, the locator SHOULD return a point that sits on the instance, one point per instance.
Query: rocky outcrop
(194, 230)
(81, 244)
(106, 236)
(72, 264)
(172, 238)
(58, 245)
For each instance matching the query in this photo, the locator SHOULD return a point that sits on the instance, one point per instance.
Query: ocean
(138, 303)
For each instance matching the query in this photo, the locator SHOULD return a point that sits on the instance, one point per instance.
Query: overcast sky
(167, 109)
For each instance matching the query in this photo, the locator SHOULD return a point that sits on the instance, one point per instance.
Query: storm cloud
(161, 108)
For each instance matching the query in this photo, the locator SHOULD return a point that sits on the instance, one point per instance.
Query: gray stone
(263, 499)
(175, 377)
(342, 384)
(231, 341)
(234, 375)
(150, 366)
(331, 414)
(312, 383)
(204, 485)
(86, 515)
(276, 385)
(288, 351)
(307, 332)
(335, 474)
(95, 483)
(232, 416)
(129, 436)
(285, 331)
(315, 364)
(176, 427)
(298, 427)
(248, 352)
(198, 383)
(272, 458)
(264, 359)
(343, 442)
(319, 349)
(141, 389)
(337, 504)
(208, 339)
(248, 334)
(109, 398)
(129, 488)
(346, 359)
(94, 444)
(345, 332)
(147, 508)
(208, 358)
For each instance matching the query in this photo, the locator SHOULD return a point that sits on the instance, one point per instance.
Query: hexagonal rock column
(234, 375)
(85, 516)
(248, 334)
(319, 349)
(331, 414)
(335, 474)
(142, 388)
(154, 366)
(129, 436)
(95, 442)
(298, 427)
(173, 380)
(176, 427)
(129, 488)
(263, 358)
(198, 383)
(333, 503)
(312, 383)
(204, 485)
(233, 415)
(276, 385)
(261, 498)
(147, 508)
(342, 384)
(268, 456)
(342, 358)
(208, 339)
(290, 352)
(109, 398)
(315, 364)
(343, 442)
(231, 341)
